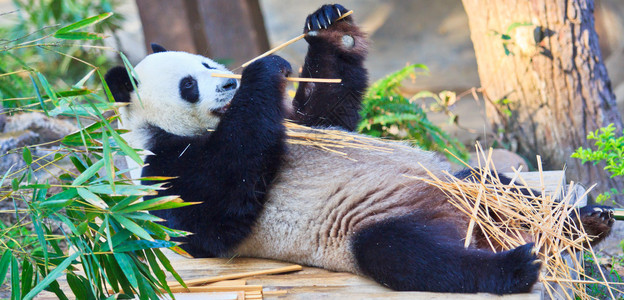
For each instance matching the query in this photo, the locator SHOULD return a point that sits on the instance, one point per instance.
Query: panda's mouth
(219, 112)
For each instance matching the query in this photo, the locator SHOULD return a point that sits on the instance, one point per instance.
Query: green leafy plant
(610, 150)
(38, 21)
(387, 113)
(85, 220)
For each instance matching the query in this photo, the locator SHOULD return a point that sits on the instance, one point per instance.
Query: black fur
(189, 90)
(157, 48)
(119, 83)
(414, 253)
(335, 104)
(230, 84)
(230, 170)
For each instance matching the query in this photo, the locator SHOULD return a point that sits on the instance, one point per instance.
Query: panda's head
(175, 92)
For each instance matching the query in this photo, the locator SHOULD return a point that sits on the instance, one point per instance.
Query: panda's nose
(229, 85)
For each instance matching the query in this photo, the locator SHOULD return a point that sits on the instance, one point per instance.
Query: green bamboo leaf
(133, 227)
(15, 278)
(127, 149)
(43, 243)
(27, 277)
(70, 93)
(144, 216)
(4, 264)
(105, 87)
(147, 289)
(120, 237)
(89, 172)
(47, 88)
(77, 286)
(109, 270)
(84, 23)
(150, 204)
(58, 271)
(108, 160)
(136, 245)
(80, 36)
(128, 267)
(92, 198)
(160, 274)
(124, 189)
(27, 156)
(38, 94)
(165, 262)
(55, 288)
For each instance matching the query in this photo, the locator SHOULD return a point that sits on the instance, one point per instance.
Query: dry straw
(509, 219)
(331, 140)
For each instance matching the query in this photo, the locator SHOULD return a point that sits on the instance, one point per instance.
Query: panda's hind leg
(409, 254)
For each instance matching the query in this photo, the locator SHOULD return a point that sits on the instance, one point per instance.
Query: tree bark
(544, 80)
(232, 31)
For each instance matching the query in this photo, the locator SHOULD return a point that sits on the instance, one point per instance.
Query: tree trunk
(232, 31)
(544, 80)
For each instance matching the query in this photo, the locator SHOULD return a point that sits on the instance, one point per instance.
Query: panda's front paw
(324, 17)
(597, 221)
(519, 269)
(270, 67)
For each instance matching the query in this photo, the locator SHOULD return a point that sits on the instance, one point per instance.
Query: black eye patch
(208, 66)
(189, 90)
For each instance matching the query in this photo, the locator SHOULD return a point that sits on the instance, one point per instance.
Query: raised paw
(597, 221)
(519, 270)
(269, 66)
(324, 17)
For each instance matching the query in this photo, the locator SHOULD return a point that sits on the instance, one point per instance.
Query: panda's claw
(324, 17)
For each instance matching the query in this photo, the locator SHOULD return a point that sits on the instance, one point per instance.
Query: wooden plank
(311, 283)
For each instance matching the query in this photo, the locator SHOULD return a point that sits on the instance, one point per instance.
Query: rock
(10, 141)
(47, 129)
(503, 160)
(2, 118)
(30, 129)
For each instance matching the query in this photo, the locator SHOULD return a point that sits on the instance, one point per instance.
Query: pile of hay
(510, 219)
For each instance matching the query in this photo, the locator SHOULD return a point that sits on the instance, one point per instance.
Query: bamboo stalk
(280, 47)
(214, 289)
(201, 281)
(294, 79)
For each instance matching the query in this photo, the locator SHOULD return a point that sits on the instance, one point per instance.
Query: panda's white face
(177, 93)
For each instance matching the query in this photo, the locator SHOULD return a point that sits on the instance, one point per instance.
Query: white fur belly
(319, 200)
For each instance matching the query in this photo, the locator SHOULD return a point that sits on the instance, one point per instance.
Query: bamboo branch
(287, 43)
(201, 281)
(296, 79)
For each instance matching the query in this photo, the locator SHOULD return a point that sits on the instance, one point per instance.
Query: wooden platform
(310, 283)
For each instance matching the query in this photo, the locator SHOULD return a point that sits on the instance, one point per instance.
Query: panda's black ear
(157, 48)
(119, 83)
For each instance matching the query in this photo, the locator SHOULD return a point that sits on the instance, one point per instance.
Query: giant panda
(224, 143)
